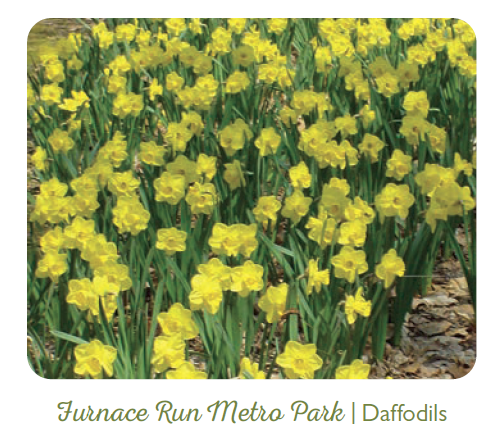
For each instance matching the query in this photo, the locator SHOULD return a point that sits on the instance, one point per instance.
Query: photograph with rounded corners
(266, 198)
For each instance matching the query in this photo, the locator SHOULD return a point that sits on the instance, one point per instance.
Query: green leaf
(69, 337)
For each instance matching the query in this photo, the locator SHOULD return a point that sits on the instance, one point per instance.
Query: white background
(28, 407)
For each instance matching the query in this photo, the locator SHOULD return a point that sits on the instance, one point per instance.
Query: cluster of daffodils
(247, 191)
(447, 197)
(177, 326)
(109, 276)
(214, 277)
